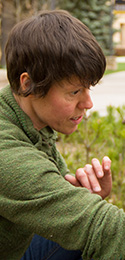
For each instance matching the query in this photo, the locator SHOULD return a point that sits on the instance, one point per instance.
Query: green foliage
(120, 67)
(96, 137)
(97, 15)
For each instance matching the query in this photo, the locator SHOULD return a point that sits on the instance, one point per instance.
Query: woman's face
(62, 108)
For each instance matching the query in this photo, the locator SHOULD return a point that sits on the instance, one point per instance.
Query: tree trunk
(53, 4)
(8, 20)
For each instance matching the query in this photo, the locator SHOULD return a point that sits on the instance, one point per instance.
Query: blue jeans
(43, 249)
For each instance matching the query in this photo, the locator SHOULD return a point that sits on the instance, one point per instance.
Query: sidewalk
(3, 78)
(110, 91)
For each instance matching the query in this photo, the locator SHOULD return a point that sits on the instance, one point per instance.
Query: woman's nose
(86, 101)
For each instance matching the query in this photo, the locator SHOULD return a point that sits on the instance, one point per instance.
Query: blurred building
(119, 25)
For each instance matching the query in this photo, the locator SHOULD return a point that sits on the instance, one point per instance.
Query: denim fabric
(43, 249)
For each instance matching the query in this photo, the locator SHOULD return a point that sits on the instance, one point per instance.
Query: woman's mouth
(76, 119)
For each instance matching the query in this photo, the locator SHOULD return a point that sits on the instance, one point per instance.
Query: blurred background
(106, 20)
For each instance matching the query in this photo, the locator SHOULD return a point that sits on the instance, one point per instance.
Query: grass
(120, 67)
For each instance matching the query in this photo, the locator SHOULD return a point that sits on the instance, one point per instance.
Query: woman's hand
(95, 177)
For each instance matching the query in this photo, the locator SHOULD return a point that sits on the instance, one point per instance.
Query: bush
(97, 136)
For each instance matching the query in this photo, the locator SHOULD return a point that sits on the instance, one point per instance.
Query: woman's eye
(75, 92)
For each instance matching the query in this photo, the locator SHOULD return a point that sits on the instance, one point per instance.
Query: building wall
(119, 24)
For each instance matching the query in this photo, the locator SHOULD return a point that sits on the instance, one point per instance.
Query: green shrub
(98, 136)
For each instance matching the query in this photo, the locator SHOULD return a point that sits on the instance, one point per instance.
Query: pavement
(109, 91)
(3, 78)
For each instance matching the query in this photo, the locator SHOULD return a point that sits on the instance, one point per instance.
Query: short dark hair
(50, 47)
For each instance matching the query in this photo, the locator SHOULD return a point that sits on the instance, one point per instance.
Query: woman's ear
(24, 80)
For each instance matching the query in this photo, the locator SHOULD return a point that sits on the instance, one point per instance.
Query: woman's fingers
(96, 177)
(72, 180)
(95, 186)
(101, 169)
(97, 167)
(83, 179)
(106, 164)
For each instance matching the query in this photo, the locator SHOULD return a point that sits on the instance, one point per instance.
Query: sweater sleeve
(36, 197)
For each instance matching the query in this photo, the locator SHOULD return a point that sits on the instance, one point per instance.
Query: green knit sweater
(35, 198)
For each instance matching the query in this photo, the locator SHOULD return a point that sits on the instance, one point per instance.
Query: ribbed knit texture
(35, 198)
